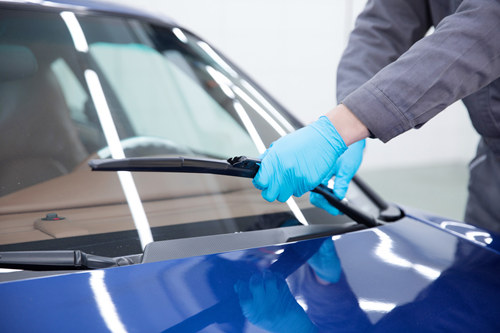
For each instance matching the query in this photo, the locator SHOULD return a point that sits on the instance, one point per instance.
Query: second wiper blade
(50, 260)
(240, 166)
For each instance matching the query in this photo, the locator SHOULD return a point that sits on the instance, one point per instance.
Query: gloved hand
(298, 162)
(345, 168)
(325, 263)
(267, 303)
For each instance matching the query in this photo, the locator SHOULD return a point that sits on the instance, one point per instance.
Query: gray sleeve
(459, 58)
(384, 30)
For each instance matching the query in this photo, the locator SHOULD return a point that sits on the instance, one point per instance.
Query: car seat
(38, 140)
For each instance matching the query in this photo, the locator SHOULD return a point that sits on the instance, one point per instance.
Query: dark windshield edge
(240, 166)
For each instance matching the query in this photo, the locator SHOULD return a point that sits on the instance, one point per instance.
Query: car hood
(407, 274)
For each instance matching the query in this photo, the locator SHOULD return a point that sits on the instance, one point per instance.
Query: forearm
(460, 57)
(350, 128)
(384, 30)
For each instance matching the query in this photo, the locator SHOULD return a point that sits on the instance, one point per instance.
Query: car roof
(90, 6)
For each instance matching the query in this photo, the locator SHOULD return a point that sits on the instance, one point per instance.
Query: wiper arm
(355, 214)
(58, 260)
(240, 166)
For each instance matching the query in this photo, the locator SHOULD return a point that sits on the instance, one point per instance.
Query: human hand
(298, 162)
(266, 301)
(344, 170)
(326, 263)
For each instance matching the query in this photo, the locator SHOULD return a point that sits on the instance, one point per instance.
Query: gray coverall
(393, 79)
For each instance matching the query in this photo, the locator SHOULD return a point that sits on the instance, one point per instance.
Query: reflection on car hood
(405, 275)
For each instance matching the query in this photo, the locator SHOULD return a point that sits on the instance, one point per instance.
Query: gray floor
(440, 189)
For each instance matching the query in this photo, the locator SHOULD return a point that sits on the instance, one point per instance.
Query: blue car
(127, 148)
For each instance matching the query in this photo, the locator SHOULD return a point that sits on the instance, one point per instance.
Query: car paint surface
(479, 236)
(402, 275)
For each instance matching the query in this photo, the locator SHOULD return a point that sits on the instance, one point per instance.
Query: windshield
(81, 87)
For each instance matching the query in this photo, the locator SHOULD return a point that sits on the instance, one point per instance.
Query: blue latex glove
(267, 303)
(298, 162)
(325, 263)
(345, 168)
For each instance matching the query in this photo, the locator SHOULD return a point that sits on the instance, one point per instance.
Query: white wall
(292, 48)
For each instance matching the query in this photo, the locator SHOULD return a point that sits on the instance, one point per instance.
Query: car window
(167, 93)
(74, 94)
(162, 100)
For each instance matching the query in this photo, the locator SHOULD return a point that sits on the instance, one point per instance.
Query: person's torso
(483, 105)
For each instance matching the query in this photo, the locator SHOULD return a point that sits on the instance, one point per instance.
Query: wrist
(325, 127)
(350, 128)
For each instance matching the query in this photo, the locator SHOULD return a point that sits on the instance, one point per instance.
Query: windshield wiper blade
(57, 260)
(239, 166)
